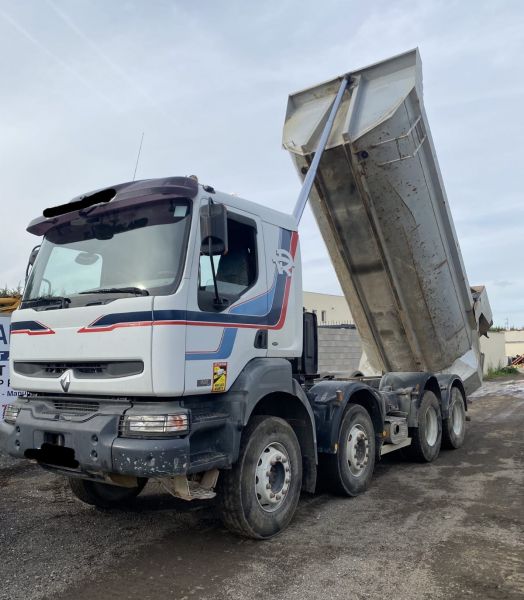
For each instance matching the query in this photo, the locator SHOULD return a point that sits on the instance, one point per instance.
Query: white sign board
(7, 395)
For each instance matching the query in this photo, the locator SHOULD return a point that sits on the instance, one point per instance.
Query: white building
(334, 347)
(515, 342)
(330, 309)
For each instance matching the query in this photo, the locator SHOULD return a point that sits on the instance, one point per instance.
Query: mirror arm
(31, 261)
(218, 301)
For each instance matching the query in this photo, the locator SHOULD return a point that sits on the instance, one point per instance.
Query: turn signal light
(10, 414)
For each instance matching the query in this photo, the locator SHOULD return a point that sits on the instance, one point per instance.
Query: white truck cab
(121, 290)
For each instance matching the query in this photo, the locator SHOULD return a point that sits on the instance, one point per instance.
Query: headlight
(10, 414)
(154, 425)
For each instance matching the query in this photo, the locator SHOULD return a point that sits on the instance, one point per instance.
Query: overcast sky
(207, 81)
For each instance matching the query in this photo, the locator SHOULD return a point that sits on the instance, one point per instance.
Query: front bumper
(89, 444)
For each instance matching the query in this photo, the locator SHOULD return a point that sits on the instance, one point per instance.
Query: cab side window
(235, 271)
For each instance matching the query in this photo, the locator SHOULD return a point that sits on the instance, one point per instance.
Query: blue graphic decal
(223, 351)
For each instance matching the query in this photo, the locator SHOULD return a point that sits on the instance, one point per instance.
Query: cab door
(224, 333)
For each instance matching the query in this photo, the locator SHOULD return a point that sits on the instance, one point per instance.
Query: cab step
(387, 448)
(200, 487)
(203, 461)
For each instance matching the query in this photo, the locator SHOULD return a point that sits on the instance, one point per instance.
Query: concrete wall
(494, 349)
(339, 350)
(514, 343)
(330, 309)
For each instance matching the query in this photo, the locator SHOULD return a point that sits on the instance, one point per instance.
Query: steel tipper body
(381, 206)
(161, 336)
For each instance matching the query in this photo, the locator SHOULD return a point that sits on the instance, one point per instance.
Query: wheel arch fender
(266, 387)
(330, 400)
(446, 383)
(413, 384)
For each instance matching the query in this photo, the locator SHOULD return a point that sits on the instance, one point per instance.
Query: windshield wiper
(123, 290)
(63, 301)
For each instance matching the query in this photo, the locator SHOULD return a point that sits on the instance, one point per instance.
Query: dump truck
(161, 335)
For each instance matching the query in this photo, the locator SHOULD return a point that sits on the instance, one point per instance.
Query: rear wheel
(427, 437)
(454, 427)
(259, 495)
(104, 495)
(349, 472)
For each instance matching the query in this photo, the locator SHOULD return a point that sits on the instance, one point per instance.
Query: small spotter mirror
(31, 261)
(213, 229)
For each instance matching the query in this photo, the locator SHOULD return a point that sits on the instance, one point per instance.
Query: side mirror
(213, 229)
(31, 261)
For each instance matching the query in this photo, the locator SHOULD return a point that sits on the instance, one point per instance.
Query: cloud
(208, 83)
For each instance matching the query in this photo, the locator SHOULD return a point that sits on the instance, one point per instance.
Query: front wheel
(104, 495)
(454, 427)
(349, 472)
(259, 495)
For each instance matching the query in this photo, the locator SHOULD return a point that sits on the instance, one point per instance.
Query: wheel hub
(272, 477)
(357, 450)
(431, 426)
(457, 415)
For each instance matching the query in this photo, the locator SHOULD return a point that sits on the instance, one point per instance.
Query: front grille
(81, 370)
(76, 406)
(57, 369)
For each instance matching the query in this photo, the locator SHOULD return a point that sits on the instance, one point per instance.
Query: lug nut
(287, 481)
(278, 497)
(287, 469)
(268, 486)
(272, 495)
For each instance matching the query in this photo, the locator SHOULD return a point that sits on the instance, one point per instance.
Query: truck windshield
(134, 250)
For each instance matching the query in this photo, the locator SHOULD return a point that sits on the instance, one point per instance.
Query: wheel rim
(357, 450)
(457, 414)
(431, 426)
(272, 477)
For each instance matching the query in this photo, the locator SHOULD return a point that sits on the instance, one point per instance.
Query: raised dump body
(381, 206)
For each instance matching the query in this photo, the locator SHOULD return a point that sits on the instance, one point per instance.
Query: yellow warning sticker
(219, 377)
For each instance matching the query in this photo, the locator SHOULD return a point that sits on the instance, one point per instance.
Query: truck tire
(454, 427)
(427, 437)
(259, 495)
(349, 471)
(104, 495)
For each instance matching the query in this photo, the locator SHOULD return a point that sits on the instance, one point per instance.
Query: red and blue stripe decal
(30, 328)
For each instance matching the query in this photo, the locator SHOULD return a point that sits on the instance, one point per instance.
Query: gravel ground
(451, 529)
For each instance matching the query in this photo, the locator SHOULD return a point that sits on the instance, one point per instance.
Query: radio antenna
(138, 155)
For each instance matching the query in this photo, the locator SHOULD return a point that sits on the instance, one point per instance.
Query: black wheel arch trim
(447, 382)
(268, 382)
(330, 399)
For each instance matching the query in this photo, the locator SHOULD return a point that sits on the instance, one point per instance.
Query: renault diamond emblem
(65, 381)
(284, 262)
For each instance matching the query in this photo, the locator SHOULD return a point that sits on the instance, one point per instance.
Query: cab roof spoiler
(119, 196)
